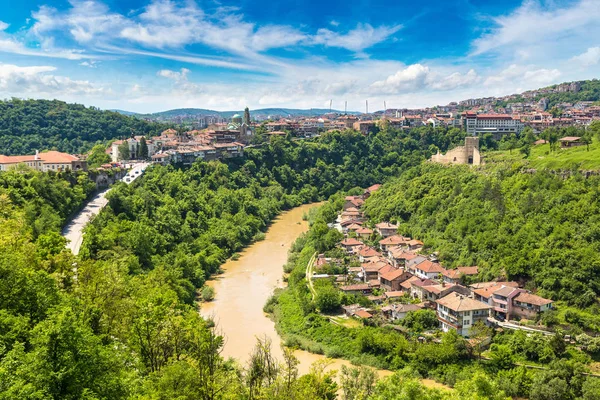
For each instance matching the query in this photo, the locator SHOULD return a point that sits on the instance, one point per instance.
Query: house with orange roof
(351, 245)
(393, 241)
(458, 312)
(455, 275)
(364, 233)
(426, 269)
(399, 256)
(386, 229)
(391, 278)
(44, 161)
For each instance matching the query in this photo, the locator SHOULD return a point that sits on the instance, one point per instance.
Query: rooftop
(458, 302)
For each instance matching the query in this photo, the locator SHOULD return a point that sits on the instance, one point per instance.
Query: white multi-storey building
(496, 124)
(459, 312)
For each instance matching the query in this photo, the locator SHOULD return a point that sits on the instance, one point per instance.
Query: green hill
(29, 125)
(541, 157)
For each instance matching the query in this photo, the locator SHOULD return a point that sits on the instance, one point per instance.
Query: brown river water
(245, 285)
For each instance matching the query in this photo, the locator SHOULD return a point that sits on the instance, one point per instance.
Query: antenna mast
(330, 102)
(367, 106)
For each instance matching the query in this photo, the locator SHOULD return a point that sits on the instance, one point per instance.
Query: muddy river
(246, 284)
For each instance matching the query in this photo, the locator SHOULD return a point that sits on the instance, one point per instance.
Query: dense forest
(445, 357)
(29, 125)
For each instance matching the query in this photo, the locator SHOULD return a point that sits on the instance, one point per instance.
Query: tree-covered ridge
(29, 125)
(538, 228)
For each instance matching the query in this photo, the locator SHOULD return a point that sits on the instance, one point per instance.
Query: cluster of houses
(173, 147)
(396, 269)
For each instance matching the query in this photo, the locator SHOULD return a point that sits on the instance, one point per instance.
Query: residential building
(371, 189)
(393, 241)
(455, 275)
(396, 312)
(527, 305)
(426, 269)
(391, 280)
(497, 124)
(570, 141)
(386, 229)
(364, 233)
(44, 162)
(351, 245)
(459, 312)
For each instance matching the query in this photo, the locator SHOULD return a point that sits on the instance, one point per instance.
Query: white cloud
(3, 25)
(9, 45)
(181, 84)
(522, 76)
(533, 24)
(358, 39)
(454, 80)
(37, 80)
(174, 75)
(412, 78)
(590, 57)
(418, 77)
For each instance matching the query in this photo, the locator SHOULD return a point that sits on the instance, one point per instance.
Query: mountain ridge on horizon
(227, 114)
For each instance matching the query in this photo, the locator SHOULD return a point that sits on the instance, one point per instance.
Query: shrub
(208, 293)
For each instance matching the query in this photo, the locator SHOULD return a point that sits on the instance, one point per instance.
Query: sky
(149, 56)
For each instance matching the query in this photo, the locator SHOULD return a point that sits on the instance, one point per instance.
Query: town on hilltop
(211, 137)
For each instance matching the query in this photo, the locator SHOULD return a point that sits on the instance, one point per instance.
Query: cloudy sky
(152, 56)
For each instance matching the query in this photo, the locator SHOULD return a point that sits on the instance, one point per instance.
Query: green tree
(124, 151)
(143, 148)
(327, 299)
(97, 156)
(586, 139)
(554, 389)
(357, 383)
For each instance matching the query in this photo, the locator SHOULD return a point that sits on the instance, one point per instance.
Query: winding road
(73, 231)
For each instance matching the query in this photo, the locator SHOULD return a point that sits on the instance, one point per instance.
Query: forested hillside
(538, 228)
(29, 125)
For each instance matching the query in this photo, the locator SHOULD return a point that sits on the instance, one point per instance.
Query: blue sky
(155, 55)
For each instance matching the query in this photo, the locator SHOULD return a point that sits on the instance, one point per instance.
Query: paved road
(73, 231)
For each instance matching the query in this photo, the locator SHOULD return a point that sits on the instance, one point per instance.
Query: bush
(208, 293)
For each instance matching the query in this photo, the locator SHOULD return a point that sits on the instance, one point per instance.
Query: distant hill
(30, 125)
(263, 113)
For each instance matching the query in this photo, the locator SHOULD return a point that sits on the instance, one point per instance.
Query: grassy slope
(541, 157)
